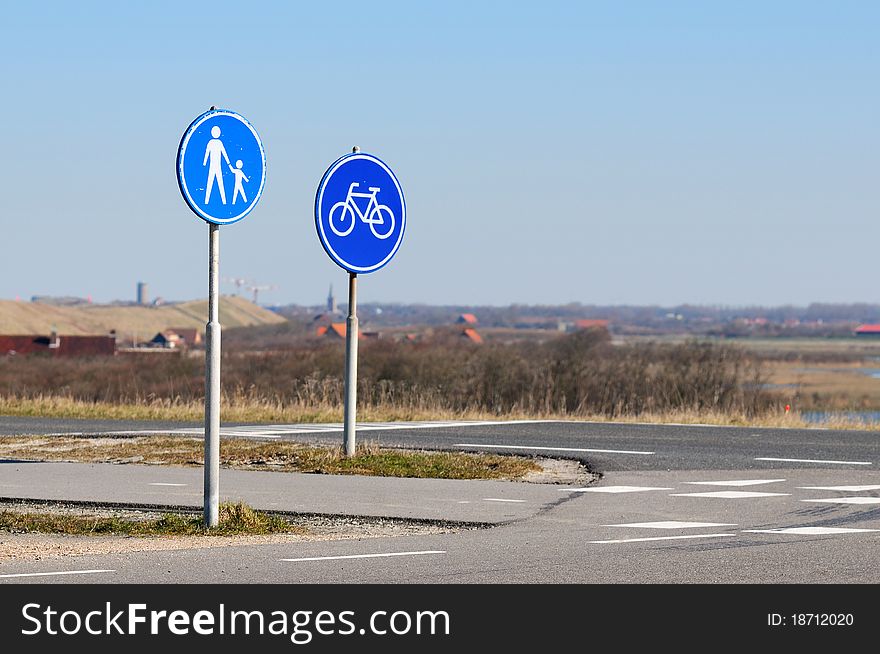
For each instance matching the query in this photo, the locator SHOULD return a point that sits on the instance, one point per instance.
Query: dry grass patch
(233, 408)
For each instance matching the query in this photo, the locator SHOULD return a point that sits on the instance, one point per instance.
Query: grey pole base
(212, 384)
(351, 351)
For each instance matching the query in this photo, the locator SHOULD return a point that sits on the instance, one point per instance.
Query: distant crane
(256, 288)
(238, 282)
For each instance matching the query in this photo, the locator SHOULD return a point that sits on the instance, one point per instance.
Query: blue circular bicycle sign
(221, 167)
(360, 213)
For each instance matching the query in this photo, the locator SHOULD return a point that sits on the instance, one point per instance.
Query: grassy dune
(140, 321)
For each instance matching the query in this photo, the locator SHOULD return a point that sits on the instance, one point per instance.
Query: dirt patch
(38, 547)
(560, 471)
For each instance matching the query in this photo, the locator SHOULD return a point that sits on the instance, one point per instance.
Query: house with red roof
(472, 335)
(868, 331)
(589, 324)
(58, 346)
(188, 335)
(337, 331)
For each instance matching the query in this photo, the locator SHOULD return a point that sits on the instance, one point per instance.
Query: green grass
(434, 465)
(235, 519)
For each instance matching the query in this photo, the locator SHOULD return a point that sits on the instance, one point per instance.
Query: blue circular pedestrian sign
(360, 213)
(221, 167)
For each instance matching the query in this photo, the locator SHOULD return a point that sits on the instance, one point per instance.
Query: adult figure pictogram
(221, 167)
(213, 152)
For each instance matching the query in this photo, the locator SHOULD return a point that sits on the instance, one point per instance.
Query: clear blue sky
(550, 152)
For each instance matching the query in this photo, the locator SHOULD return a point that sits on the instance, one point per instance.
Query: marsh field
(823, 375)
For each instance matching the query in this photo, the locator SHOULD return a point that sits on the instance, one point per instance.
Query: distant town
(90, 329)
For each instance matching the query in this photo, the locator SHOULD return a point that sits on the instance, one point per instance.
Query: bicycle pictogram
(344, 212)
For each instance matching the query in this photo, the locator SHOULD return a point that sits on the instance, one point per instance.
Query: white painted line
(464, 502)
(84, 434)
(614, 489)
(268, 431)
(159, 483)
(440, 425)
(645, 540)
(674, 524)
(547, 449)
(730, 495)
(735, 482)
(846, 463)
(364, 556)
(53, 574)
(810, 531)
(498, 499)
(848, 500)
(848, 489)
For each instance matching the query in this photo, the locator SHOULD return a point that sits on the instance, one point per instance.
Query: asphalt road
(675, 504)
(605, 447)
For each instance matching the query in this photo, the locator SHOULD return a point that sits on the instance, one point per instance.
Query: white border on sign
(181, 153)
(320, 205)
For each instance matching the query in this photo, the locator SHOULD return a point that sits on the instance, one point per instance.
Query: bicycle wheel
(339, 213)
(381, 215)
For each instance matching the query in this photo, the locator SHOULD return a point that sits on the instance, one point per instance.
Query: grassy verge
(235, 519)
(233, 409)
(276, 456)
(267, 413)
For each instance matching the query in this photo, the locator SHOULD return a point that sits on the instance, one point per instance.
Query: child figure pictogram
(239, 176)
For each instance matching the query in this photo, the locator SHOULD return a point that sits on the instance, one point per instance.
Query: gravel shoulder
(38, 547)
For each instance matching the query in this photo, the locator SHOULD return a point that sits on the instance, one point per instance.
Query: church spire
(331, 301)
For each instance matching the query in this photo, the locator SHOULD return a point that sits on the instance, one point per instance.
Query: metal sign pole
(212, 383)
(379, 233)
(351, 351)
(211, 139)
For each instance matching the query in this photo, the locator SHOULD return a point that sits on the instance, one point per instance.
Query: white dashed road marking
(364, 556)
(159, 483)
(674, 524)
(498, 499)
(53, 574)
(810, 531)
(644, 540)
(735, 482)
(614, 489)
(848, 489)
(848, 500)
(847, 463)
(273, 431)
(730, 495)
(548, 449)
